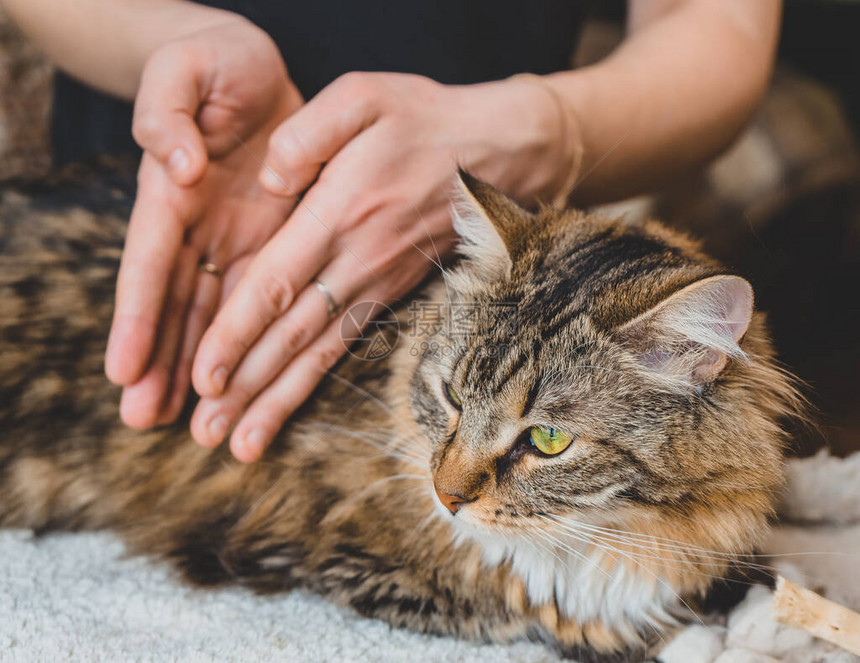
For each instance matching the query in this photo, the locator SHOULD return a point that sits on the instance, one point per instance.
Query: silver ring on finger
(331, 304)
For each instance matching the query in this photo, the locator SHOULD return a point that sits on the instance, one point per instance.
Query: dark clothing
(465, 41)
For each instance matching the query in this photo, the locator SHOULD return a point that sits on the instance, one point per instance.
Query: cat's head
(595, 372)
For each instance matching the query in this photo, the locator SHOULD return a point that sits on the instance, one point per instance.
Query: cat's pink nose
(450, 502)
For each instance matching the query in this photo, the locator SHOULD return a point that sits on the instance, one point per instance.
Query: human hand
(383, 149)
(206, 106)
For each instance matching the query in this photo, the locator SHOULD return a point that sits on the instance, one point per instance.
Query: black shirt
(450, 41)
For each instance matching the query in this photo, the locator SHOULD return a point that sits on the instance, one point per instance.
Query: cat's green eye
(452, 396)
(548, 440)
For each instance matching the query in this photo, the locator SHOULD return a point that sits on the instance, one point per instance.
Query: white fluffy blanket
(78, 597)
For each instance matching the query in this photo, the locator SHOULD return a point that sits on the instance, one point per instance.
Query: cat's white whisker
(549, 549)
(374, 399)
(555, 541)
(653, 544)
(698, 556)
(406, 451)
(663, 560)
(395, 477)
(665, 542)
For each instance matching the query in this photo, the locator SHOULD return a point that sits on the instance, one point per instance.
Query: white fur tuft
(629, 599)
(481, 242)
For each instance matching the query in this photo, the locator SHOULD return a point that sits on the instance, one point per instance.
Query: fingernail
(178, 161)
(218, 427)
(116, 357)
(219, 378)
(111, 370)
(255, 441)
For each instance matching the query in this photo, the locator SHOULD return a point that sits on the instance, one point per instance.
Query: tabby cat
(576, 465)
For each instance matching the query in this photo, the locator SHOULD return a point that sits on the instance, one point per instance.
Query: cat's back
(60, 244)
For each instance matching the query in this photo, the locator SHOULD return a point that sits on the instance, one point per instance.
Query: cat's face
(522, 430)
(602, 373)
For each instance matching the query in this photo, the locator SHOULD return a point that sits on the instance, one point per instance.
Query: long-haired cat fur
(414, 488)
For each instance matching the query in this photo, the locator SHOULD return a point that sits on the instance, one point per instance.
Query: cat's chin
(468, 523)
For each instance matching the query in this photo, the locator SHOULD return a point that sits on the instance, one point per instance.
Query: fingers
(268, 412)
(200, 314)
(165, 109)
(291, 388)
(265, 292)
(277, 347)
(151, 249)
(282, 269)
(174, 153)
(281, 342)
(141, 402)
(318, 131)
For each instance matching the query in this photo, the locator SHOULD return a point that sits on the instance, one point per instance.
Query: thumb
(165, 109)
(310, 137)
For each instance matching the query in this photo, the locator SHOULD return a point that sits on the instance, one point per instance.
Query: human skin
(372, 155)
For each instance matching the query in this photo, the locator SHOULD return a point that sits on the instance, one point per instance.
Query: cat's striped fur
(672, 473)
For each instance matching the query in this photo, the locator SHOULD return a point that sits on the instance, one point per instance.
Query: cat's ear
(688, 339)
(489, 223)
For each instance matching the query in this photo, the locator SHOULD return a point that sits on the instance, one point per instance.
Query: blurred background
(782, 206)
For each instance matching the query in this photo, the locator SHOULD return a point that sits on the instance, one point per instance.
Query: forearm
(674, 94)
(106, 43)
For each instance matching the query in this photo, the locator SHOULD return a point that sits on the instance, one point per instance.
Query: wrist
(526, 142)
(564, 135)
(173, 21)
